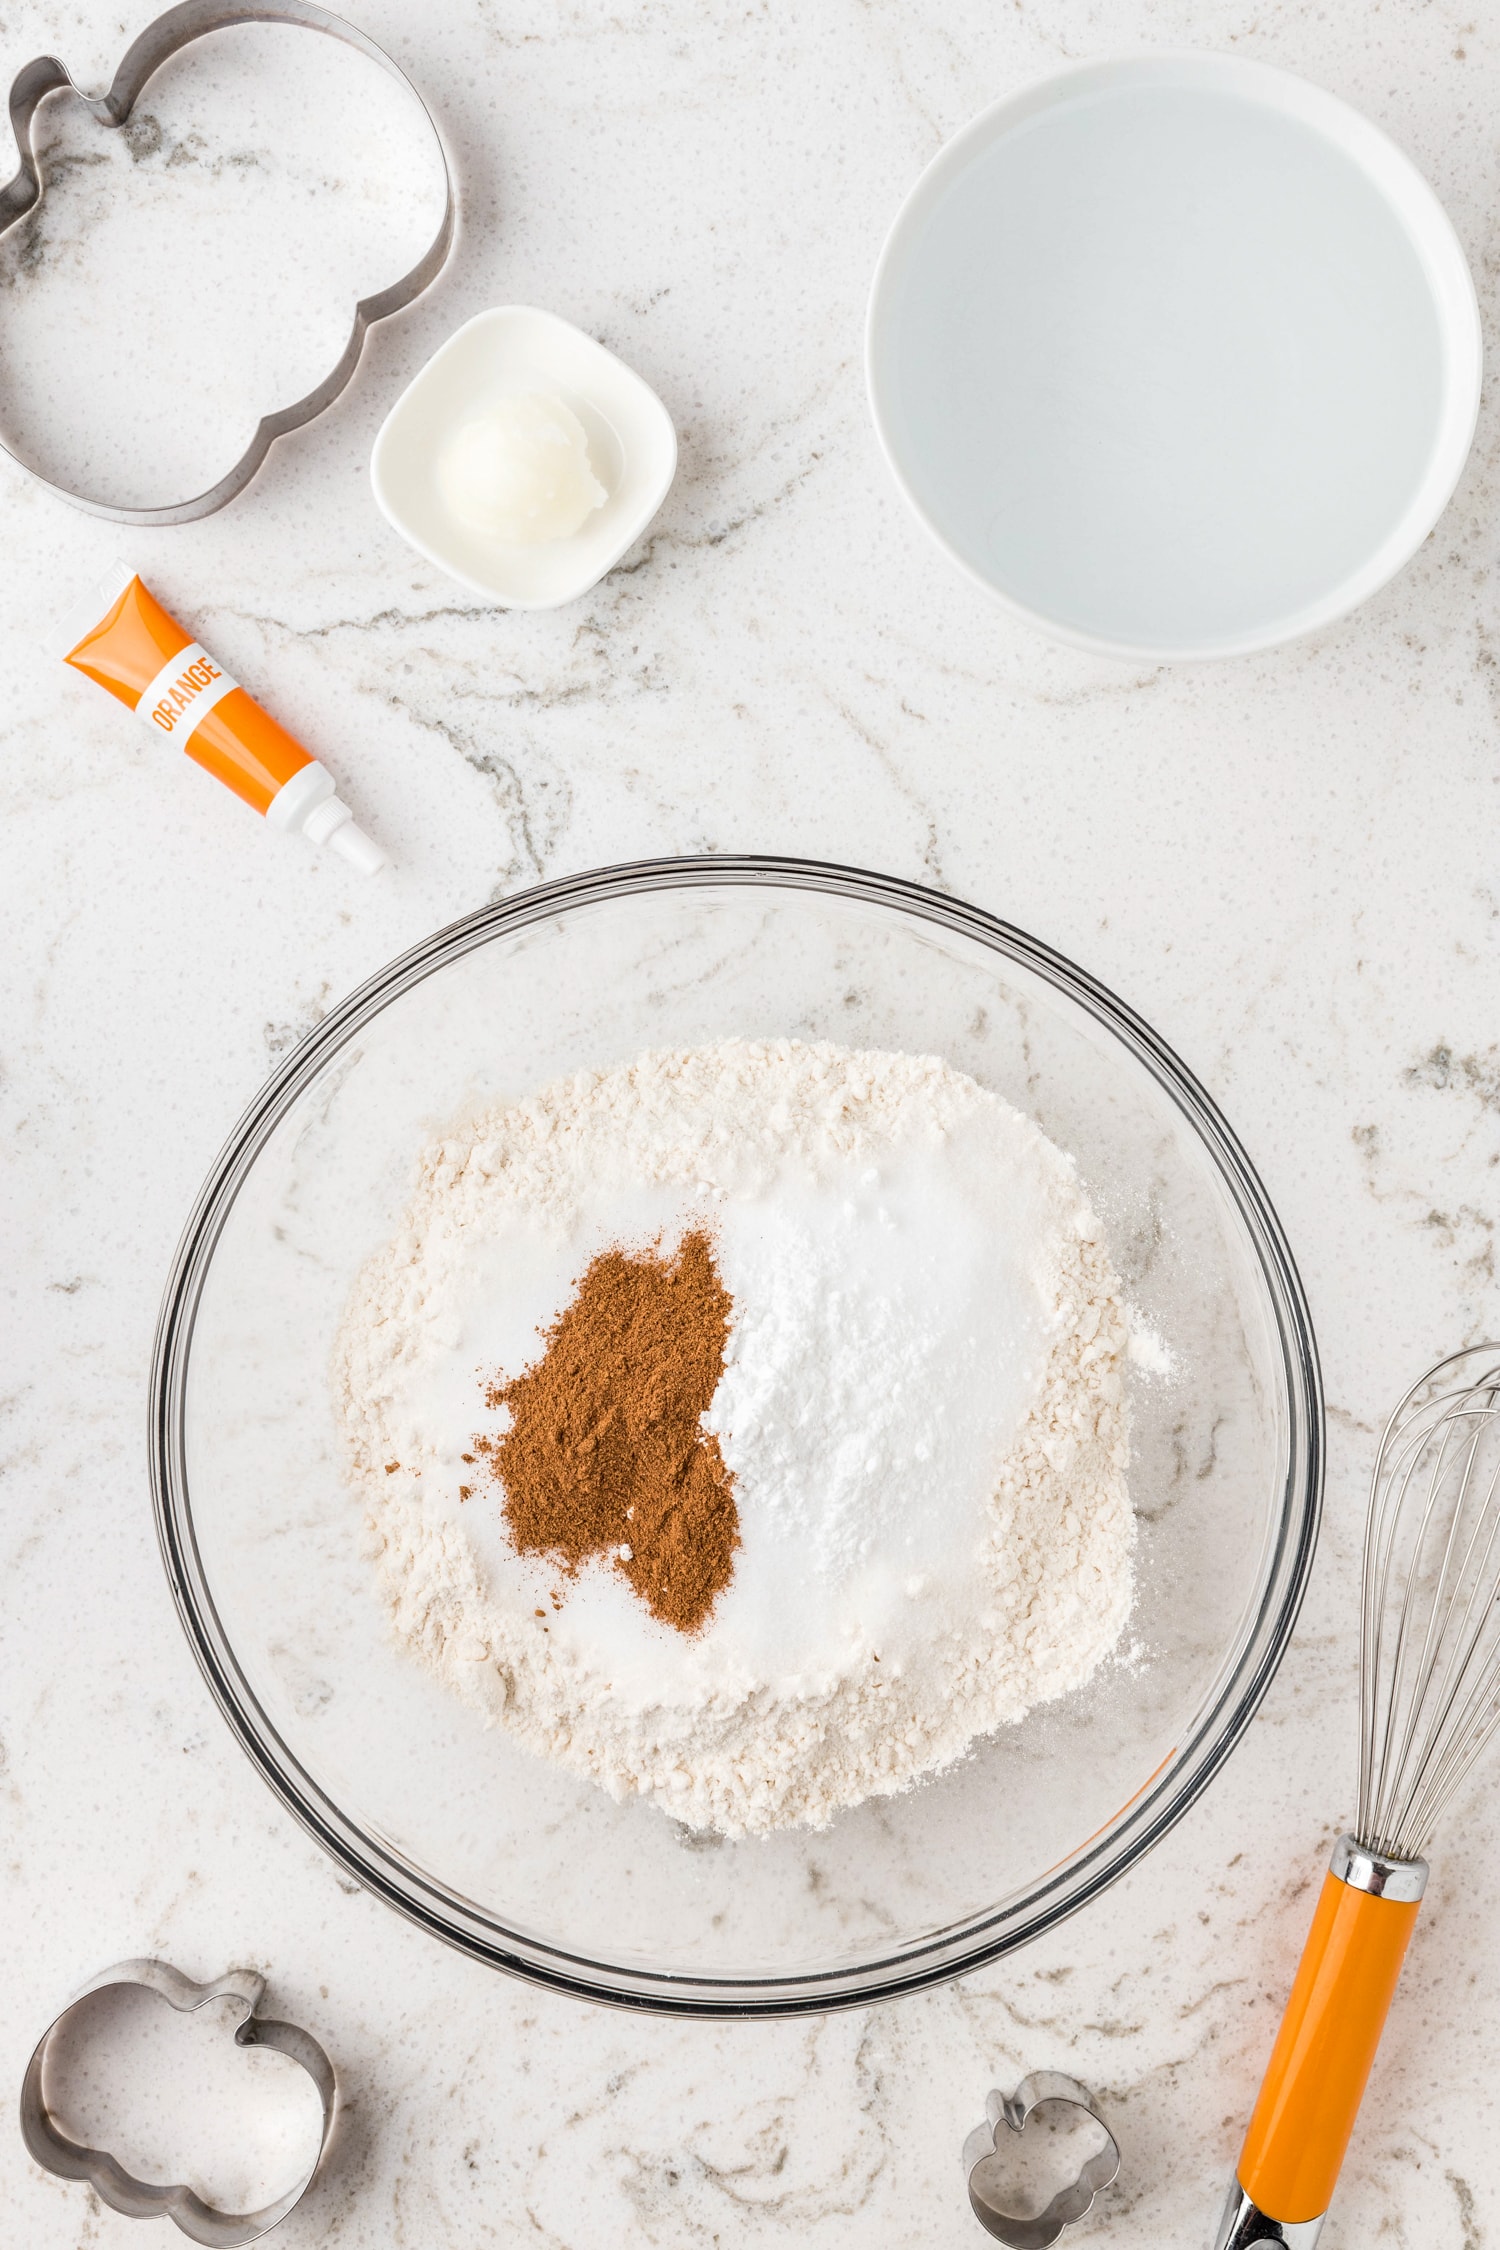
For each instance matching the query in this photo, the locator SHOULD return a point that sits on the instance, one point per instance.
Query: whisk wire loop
(1430, 1607)
(1427, 1710)
(1453, 1729)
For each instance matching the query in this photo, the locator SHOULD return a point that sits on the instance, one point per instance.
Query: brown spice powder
(605, 1451)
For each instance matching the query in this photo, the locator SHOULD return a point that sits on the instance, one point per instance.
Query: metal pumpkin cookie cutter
(167, 36)
(985, 2158)
(202, 2222)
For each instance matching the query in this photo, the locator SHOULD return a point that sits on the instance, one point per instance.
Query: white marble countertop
(1288, 864)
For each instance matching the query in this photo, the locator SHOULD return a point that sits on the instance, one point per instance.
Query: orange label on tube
(140, 653)
(184, 691)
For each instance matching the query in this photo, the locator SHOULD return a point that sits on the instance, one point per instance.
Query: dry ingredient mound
(919, 1415)
(606, 1454)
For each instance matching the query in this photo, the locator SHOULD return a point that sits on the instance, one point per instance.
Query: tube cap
(309, 805)
(360, 850)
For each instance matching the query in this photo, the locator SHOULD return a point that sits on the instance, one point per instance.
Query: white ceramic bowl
(1177, 355)
(632, 446)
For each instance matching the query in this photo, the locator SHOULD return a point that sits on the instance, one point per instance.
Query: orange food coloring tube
(119, 636)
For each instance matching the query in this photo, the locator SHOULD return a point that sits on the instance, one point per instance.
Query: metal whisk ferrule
(1362, 1869)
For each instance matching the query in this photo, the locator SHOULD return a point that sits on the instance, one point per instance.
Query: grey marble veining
(1288, 864)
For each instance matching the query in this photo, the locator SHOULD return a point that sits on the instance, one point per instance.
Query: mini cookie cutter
(984, 2162)
(50, 2147)
(160, 40)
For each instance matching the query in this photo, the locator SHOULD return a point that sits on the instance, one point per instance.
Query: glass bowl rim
(940, 1955)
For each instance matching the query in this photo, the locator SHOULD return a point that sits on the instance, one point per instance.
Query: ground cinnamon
(606, 1454)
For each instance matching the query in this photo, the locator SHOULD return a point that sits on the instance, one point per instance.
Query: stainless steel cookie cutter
(50, 2147)
(985, 2162)
(167, 36)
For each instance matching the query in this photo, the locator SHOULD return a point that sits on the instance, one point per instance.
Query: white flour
(921, 1404)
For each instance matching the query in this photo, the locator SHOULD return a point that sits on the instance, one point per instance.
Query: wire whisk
(1429, 1656)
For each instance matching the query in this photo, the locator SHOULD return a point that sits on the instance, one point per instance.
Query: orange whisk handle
(1316, 2076)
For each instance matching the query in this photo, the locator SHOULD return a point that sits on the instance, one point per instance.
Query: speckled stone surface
(1288, 864)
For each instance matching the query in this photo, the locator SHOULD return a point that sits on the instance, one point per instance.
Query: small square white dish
(632, 448)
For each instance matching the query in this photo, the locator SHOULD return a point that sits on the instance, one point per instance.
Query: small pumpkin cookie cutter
(160, 40)
(202, 2222)
(986, 2155)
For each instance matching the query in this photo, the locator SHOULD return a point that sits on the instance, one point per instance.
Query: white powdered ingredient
(921, 1403)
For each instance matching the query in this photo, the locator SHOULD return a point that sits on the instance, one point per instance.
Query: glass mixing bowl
(515, 1860)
